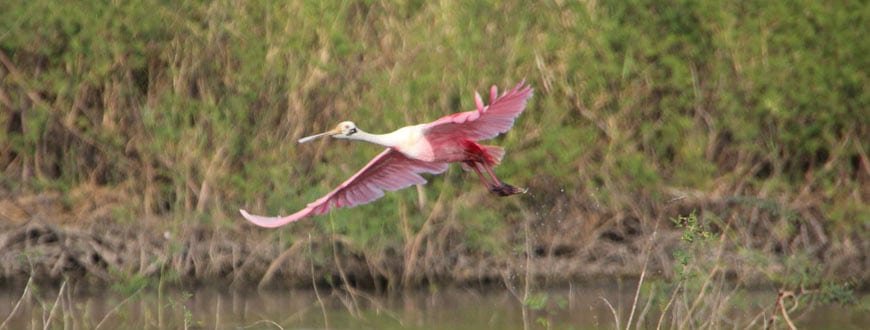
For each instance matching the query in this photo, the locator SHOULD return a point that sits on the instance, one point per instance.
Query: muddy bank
(582, 245)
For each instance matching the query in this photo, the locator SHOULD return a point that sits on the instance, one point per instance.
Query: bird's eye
(352, 131)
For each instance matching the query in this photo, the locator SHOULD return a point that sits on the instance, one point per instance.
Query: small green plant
(695, 237)
(546, 306)
(180, 303)
(841, 293)
(127, 284)
(692, 230)
(537, 301)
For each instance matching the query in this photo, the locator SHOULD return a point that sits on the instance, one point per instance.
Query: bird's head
(341, 131)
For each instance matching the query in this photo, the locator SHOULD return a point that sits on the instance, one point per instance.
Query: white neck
(386, 140)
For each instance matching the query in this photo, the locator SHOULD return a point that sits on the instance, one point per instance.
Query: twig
(759, 316)
(665, 310)
(350, 290)
(527, 285)
(612, 310)
(701, 294)
(505, 277)
(118, 306)
(17, 304)
(785, 317)
(69, 308)
(715, 314)
(681, 197)
(314, 285)
(636, 295)
(217, 313)
(278, 262)
(783, 294)
(642, 317)
(412, 247)
(642, 275)
(57, 302)
(381, 308)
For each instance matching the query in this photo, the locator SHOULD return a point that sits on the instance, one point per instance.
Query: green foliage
(537, 301)
(697, 240)
(127, 285)
(545, 306)
(696, 295)
(838, 293)
(193, 107)
(692, 230)
(179, 303)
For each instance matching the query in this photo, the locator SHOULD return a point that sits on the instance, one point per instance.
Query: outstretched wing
(487, 121)
(389, 171)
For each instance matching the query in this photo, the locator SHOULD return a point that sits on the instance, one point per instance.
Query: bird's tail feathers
(492, 154)
(495, 152)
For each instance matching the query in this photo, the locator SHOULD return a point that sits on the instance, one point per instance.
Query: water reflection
(455, 308)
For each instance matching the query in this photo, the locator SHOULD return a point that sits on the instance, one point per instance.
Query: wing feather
(487, 121)
(390, 171)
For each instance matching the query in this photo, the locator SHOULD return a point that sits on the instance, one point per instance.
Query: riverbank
(709, 236)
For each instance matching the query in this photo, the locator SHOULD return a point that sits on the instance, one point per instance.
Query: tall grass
(704, 295)
(184, 112)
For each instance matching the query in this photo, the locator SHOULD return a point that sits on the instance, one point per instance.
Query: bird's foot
(506, 190)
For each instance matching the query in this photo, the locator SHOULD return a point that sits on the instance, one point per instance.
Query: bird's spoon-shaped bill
(315, 136)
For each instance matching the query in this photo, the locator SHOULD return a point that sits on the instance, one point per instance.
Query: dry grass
(130, 135)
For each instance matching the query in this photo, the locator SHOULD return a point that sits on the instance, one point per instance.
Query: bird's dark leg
(478, 156)
(501, 188)
(492, 175)
(483, 180)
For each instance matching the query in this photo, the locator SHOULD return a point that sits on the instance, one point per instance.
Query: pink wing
(487, 121)
(390, 170)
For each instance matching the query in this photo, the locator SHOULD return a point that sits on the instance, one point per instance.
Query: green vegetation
(167, 117)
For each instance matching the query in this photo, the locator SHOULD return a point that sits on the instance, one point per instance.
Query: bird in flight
(423, 148)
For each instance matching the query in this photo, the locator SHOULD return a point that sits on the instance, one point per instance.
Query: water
(497, 308)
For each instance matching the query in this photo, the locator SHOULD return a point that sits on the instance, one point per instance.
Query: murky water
(210, 308)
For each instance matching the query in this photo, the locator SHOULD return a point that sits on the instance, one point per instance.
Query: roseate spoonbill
(421, 148)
